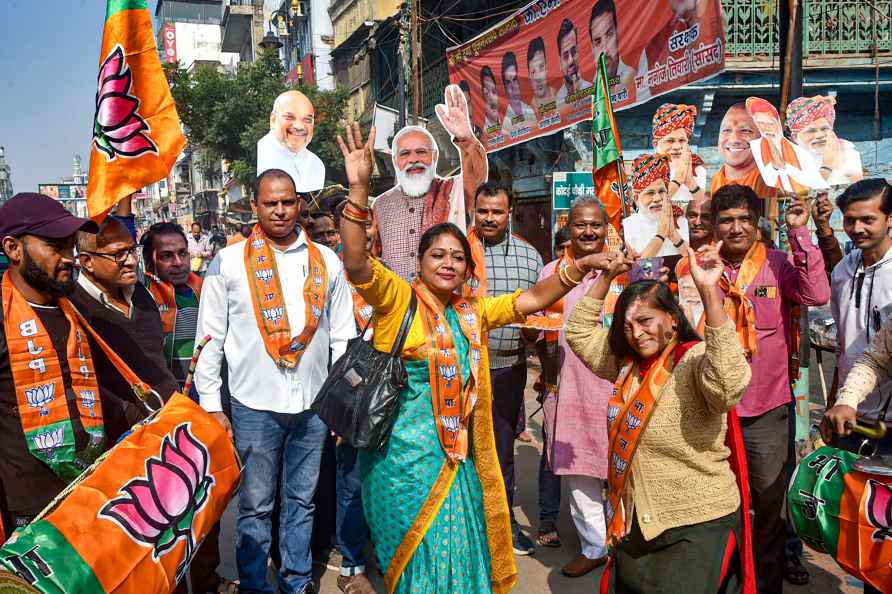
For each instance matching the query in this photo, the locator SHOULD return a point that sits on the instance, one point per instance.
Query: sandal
(225, 586)
(795, 572)
(548, 535)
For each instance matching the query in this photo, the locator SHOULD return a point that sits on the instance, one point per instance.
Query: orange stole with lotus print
(43, 407)
(452, 402)
(628, 415)
(269, 303)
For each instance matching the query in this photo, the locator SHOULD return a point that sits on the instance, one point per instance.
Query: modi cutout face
(292, 120)
(816, 135)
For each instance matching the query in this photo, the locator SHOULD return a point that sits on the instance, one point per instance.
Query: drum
(838, 508)
(132, 522)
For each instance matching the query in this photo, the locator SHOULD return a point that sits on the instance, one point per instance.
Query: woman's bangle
(680, 242)
(358, 206)
(358, 220)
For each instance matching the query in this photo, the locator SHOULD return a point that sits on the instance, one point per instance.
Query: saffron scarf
(627, 417)
(362, 311)
(269, 303)
(40, 386)
(452, 401)
(164, 295)
(737, 305)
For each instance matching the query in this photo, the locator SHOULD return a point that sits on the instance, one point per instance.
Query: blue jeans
(353, 532)
(274, 448)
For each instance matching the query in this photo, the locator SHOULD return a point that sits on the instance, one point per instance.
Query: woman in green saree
(434, 497)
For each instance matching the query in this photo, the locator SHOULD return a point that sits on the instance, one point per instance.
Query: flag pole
(620, 173)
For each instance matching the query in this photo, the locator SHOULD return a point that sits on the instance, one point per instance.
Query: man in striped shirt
(175, 290)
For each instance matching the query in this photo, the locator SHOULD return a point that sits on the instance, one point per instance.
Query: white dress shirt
(305, 168)
(226, 313)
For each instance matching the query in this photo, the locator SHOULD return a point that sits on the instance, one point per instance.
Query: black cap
(29, 213)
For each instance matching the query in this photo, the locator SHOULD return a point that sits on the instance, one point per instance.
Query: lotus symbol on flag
(41, 396)
(118, 129)
(157, 510)
(879, 510)
(452, 423)
(48, 441)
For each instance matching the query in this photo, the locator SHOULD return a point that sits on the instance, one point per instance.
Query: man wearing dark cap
(56, 416)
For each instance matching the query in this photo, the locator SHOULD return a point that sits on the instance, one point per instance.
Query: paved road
(541, 572)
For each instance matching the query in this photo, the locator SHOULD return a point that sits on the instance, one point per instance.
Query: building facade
(6, 191)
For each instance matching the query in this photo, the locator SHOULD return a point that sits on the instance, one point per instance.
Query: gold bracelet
(577, 268)
(565, 277)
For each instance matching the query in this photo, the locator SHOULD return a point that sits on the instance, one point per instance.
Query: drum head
(876, 465)
(13, 584)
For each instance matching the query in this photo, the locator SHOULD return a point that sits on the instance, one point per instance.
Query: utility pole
(416, 62)
(790, 49)
(403, 55)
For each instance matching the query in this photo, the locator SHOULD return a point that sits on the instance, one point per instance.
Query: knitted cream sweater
(680, 472)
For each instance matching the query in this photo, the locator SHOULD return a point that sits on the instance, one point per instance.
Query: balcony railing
(847, 29)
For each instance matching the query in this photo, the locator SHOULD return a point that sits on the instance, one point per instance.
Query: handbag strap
(404, 327)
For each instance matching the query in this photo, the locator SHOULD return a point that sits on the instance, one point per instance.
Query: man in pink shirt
(762, 287)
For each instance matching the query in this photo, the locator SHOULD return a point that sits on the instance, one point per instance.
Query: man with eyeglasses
(120, 309)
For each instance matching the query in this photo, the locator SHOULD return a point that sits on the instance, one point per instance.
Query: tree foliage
(226, 113)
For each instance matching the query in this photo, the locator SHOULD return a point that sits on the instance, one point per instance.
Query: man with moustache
(699, 219)
(736, 132)
(120, 309)
(503, 263)
(761, 287)
(810, 121)
(518, 113)
(575, 422)
(422, 199)
(490, 92)
(285, 145)
(604, 33)
(537, 68)
(47, 368)
(279, 308)
(568, 51)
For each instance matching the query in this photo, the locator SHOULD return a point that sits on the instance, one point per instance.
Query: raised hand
(454, 114)
(796, 215)
(821, 211)
(358, 159)
(706, 267)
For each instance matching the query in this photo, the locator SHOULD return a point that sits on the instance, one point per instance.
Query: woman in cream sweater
(673, 513)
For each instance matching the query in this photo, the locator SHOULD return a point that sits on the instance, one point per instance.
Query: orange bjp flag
(136, 130)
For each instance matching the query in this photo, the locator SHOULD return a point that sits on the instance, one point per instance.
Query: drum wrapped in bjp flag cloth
(838, 508)
(132, 522)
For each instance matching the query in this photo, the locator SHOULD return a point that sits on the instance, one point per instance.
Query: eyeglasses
(120, 257)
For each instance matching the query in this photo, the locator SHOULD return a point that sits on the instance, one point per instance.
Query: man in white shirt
(285, 145)
(277, 347)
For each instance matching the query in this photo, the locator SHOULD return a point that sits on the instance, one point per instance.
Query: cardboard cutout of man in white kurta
(285, 145)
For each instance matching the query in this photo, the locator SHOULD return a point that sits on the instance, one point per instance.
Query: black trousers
(507, 396)
(766, 438)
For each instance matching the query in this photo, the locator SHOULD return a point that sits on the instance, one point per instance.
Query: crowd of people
(666, 393)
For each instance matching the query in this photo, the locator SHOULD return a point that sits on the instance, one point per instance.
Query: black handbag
(360, 398)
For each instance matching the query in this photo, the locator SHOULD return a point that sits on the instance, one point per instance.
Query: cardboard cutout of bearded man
(421, 198)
